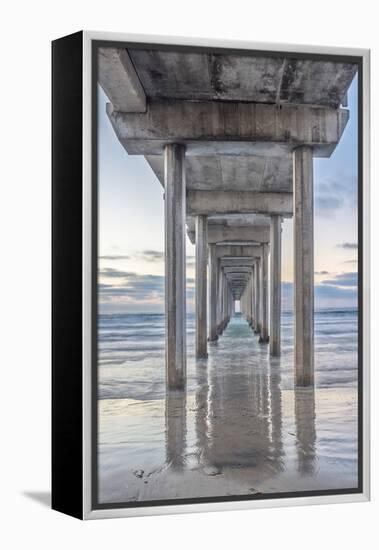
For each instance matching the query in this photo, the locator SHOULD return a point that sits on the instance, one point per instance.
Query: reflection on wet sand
(237, 430)
(237, 418)
(176, 429)
(305, 415)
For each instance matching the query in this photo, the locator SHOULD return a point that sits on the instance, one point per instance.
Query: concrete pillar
(201, 285)
(224, 301)
(219, 298)
(250, 299)
(212, 293)
(175, 266)
(264, 295)
(252, 282)
(275, 283)
(257, 292)
(304, 265)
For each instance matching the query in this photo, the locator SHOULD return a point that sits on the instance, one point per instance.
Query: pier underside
(231, 136)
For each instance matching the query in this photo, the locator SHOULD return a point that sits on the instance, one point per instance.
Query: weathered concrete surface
(275, 284)
(212, 293)
(240, 220)
(254, 298)
(234, 173)
(232, 202)
(303, 266)
(249, 300)
(241, 77)
(237, 252)
(220, 295)
(230, 261)
(234, 228)
(239, 269)
(120, 82)
(180, 121)
(257, 294)
(201, 286)
(175, 267)
(264, 336)
(219, 234)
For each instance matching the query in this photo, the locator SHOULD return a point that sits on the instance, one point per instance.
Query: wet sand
(241, 429)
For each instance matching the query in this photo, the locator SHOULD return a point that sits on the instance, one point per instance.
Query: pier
(231, 137)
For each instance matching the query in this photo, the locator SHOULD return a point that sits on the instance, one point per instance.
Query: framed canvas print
(210, 275)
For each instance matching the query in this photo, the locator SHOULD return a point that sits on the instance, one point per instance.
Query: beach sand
(241, 428)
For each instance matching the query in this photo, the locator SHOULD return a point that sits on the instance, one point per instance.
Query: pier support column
(275, 283)
(304, 265)
(257, 293)
(249, 298)
(253, 309)
(201, 285)
(175, 266)
(219, 298)
(212, 293)
(264, 295)
(224, 302)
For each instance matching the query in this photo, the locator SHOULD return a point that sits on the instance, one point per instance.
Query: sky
(131, 227)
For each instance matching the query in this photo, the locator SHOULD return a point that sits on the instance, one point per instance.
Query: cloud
(114, 257)
(334, 193)
(350, 262)
(348, 246)
(115, 273)
(342, 279)
(335, 292)
(321, 272)
(328, 203)
(145, 255)
(134, 288)
(326, 295)
(151, 255)
(135, 291)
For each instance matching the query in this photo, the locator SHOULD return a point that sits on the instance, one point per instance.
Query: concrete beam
(219, 233)
(120, 82)
(238, 251)
(237, 262)
(239, 202)
(240, 269)
(241, 77)
(190, 122)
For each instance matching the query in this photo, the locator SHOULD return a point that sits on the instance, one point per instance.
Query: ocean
(241, 428)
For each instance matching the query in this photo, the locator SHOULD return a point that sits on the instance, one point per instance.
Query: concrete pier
(303, 265)
(275, 283)
(264, 337)
(212, 293)
(201, 285)
(249, 142)
(175, 266)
